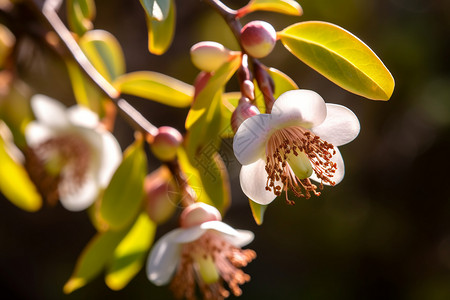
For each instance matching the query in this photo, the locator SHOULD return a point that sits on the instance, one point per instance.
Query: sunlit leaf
(80, 14)
(15, 183)
(161, 32)
(156, 86)
(339, 56)
(93, 259)
(156, 9)
(123, 197)
(258, 211)
(289, 7)
(131, 253)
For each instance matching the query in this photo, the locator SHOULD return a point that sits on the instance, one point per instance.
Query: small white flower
(295, 143)
(205, 250)
(74, 156)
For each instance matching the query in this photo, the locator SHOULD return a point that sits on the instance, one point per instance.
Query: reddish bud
(200, 82)
(248, 89)
(161, 195)
(209, 56)
(198, 213)
(243, 111)
(166, 143)
(258, 38)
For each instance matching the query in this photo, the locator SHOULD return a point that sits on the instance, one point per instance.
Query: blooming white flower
(71, 155)
(205, 250)
(295, 143)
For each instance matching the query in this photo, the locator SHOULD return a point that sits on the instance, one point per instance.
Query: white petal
(82, 116)
(36, 133)
(110, 158)
(48, 111)
(250, 140)
(164, 258)
(340, 170)
(303, 108)
(190, 234)
(235, 237)
(253, 178)
(82, 197)
(340, 127)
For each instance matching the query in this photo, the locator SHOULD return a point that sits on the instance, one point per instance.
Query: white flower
(71, 155)
(295, 143)
(205, 250)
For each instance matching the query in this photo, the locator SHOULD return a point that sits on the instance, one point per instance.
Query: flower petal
(49, 112)
(36, 133)
(249, 142)
(340, 127)
(253, 178)
(340, 169)
(111, 156)
(82, 116)
(190, 234)
(164, 258)
(235, 237)
(303, 108)
(79, 198)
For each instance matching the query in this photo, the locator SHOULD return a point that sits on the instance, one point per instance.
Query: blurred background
(383, 233)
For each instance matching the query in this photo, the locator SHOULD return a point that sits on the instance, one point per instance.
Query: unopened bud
(198, 213)
(243, 111)
(161, 195)
(209, 56)
(200, 82)
(258, 38)
(166, 142)
(248, 89)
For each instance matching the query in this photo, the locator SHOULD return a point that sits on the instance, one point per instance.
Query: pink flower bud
(243, 111)
(258, 38)
(199, 213)
(200, 82)
(209, 56)
(248, 89)
(166, 143)
(161, 195)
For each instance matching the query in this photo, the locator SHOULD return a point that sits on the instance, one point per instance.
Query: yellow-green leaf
(104, 52)
(122, 198)
(339, 56)
(93, 259)
(258, 211)
(289, 7)
(156, 9)
(161, 32)
(80, 14)
(15, 183)
(156, 86)
(131, 253)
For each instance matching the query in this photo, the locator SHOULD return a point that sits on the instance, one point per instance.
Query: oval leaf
(156, 86)
(80, 14)
(288, 7)
(123, 197)
(161, 32)
(156, 9)
(339, 56)
(15, 183)
(258, 211)
(130, 254)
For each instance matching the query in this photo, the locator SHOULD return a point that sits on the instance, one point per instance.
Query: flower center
(59, 165)
(203, 261)
(292, 154)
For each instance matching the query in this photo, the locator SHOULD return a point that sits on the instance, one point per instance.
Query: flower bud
(258, 38)
(200, 82)
(248, 89)
(243, 111)
(198, 213)
(166, 143)
(161, 195)
(209, 56)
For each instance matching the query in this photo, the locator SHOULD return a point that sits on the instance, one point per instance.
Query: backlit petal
(110, 158)
(36, 133)
(49, 111)
(82, 116)
(81, 197)
(253, 178)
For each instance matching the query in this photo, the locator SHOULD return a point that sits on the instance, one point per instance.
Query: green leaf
(289, 7)
(339, 56)
(156, 9)
(123, 197)
(207, 176)
(130, 254)
(80, 14)
(156, 86)
(214, 85)
(93, 259)
(161, 32)
(15, 183)
(258, 211)
(104, 52)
